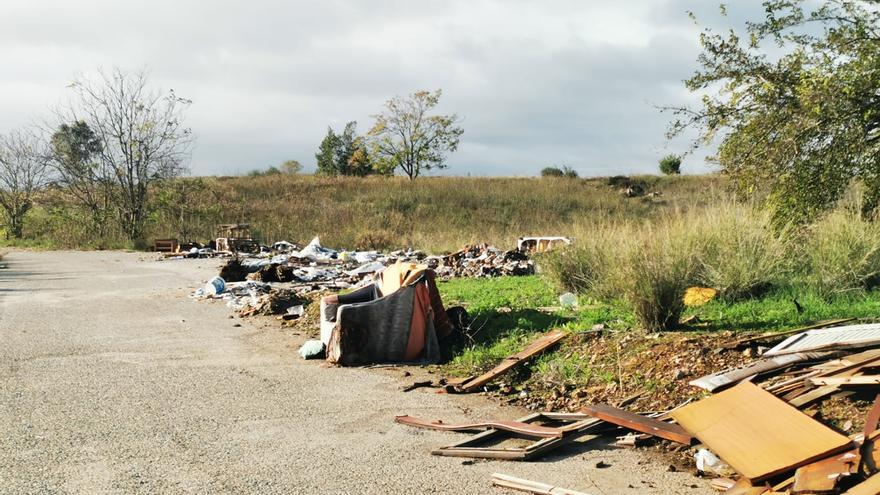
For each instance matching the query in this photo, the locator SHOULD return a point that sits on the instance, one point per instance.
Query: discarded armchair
(397, 320)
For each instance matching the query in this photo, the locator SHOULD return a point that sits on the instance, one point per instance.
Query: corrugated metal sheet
(826, 338)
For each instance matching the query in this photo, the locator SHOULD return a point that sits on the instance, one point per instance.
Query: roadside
(114, 381)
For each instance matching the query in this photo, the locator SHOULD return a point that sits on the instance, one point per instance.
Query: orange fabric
(415, 346)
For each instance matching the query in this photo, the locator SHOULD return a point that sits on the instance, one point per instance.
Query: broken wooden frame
(510, 426)
(637, 422)
(482, 445)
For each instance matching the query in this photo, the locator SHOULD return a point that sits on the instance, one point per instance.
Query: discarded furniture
(236, 238)
(758, 434)
(486, 445)
(538, 346)
(519, 484)
(401, 321)
(166, 245)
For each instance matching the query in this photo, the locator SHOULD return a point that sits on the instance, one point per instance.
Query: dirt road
(113, 381)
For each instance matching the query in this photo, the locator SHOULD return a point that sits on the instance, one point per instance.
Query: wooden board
(870, 486)
(846, 381)
(511, 426)
(638, 422)
(538, 346)
(823, 476)
(758, 434)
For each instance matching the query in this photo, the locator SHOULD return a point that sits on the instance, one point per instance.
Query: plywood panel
(756, 433)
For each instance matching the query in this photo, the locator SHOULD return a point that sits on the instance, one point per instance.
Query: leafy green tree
(795, 103)
(344, 154)
(670, 165)
(406, 137)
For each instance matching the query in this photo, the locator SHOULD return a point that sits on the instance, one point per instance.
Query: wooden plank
(870, 486)
(733, 376)
(758, 434)
(873, 418)
(529, 486)
(844, 381)
(538, 346)
(823, 476)
(638, 422)
(512, 426)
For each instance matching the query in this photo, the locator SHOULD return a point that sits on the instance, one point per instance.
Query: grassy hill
(435, 214)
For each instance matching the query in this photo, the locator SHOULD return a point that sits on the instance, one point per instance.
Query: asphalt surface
(113, 381)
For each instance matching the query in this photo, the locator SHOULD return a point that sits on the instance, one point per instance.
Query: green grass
(505, 320)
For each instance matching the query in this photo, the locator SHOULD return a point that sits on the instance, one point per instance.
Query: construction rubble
(756, 428)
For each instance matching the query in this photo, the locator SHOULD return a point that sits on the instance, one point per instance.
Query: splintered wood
(758, 434)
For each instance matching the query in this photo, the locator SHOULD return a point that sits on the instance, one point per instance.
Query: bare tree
(406, 137)
(23, 171)
(142, 137)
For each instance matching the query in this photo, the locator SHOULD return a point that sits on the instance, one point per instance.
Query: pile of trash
(320, 267)
(801, 415)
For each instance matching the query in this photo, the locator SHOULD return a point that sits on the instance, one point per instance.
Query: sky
(535, 83)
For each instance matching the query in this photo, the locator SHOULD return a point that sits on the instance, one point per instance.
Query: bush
(842, 253)
(565, 171)
(648, 266)
(743, 254)
(670, 165)
(552, 172)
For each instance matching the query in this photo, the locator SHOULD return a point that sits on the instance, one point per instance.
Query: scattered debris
(540, 244)
(312, 349)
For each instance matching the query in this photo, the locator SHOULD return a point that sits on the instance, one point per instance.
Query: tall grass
(842, 254)
(649, 264)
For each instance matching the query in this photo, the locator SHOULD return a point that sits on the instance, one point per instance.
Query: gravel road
(113, 381)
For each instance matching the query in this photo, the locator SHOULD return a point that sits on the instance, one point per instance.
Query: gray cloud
(536, 83)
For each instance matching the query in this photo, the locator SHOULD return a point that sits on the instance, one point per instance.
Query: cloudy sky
(536, 83)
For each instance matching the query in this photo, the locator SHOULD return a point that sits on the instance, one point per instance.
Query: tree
(23, 171)
(75, 156)
(670, 165)
(291, 167)
(406, 137)
(344, 154)
(796, 104)
(143, 138)
(552, 172)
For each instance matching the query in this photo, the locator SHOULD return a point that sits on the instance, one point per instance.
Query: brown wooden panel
(638, 422)
(758, 434)
(823, 476)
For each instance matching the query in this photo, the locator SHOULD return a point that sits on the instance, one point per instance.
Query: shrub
(552, 172)
(842, 253)
(565, 171)
(648, 266)
(670, 165)
(742, 254)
